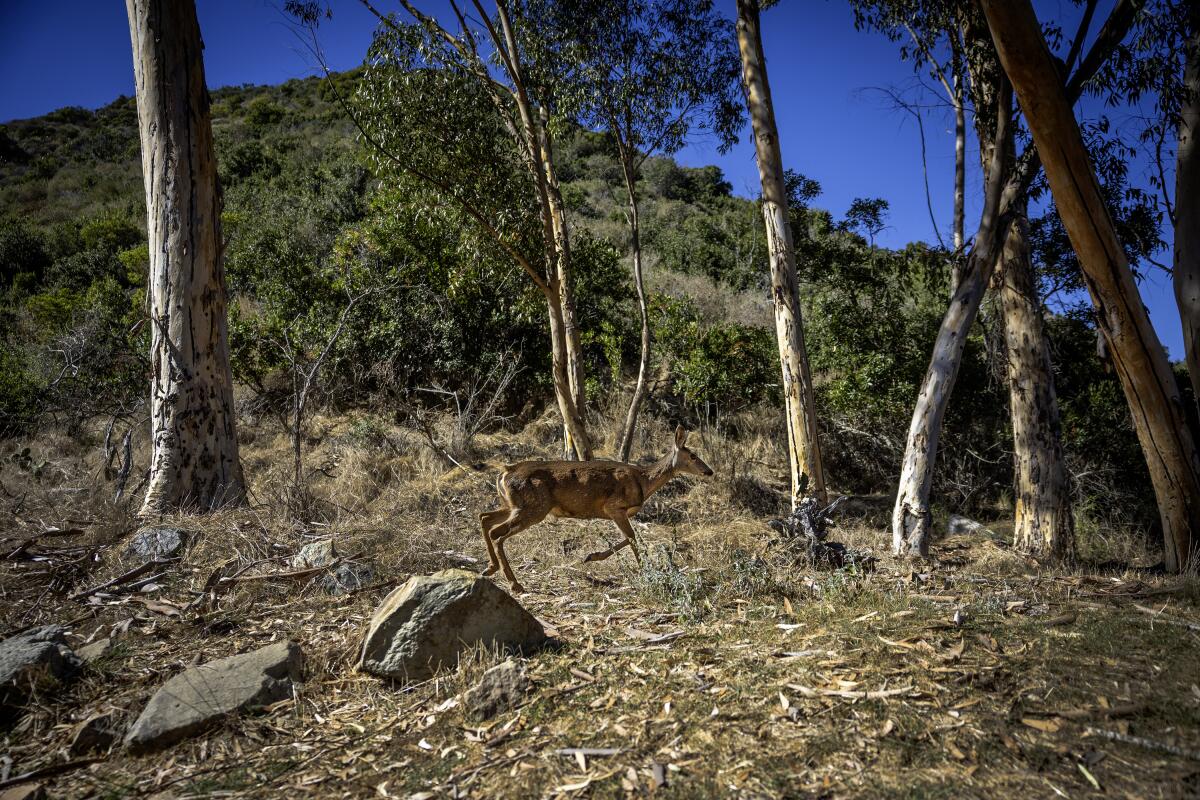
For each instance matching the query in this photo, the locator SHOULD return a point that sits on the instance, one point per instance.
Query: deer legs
(498, 526)
(622, 522)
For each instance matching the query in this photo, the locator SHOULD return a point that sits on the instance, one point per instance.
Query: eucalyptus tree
(804, 451)
(194, 463)
(1043, 521)
(1162, 65)
(650, 73)
(1137, 355)
(452, 108)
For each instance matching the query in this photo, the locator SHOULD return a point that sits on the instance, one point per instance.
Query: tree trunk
(642, 387)
(194, 463)
(1187, 210)
(559, 288)
(1138, 357)
(575, 429)
(1044, 526)
(572, 446)
(912, 519)
(960, 185)
(804, 453)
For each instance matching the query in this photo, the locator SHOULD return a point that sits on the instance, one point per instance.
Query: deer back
(573, 489)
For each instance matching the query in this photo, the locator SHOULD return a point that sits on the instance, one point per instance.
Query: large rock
(32, 660)
(501, 688)
(155, 544)
(424, 625)
(201, 695)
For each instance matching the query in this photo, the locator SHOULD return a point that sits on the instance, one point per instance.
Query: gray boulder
(34, 659)
(202, 695)
(502, 687)
(348, 577)
(423, 625)
(155, 544)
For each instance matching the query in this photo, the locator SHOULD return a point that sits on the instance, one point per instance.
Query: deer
(532, 491)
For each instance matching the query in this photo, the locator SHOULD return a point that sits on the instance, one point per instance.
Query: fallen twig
(1123, 710)
(1149, 744)
(48, 771)
(295, 575)
(849, 694)
(136, 572)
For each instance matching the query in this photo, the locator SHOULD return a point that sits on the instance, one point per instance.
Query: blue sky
(833, 126)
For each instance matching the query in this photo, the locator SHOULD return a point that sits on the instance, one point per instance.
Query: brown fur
(533, 490)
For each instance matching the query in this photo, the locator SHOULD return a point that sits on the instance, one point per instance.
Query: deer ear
(680, 436)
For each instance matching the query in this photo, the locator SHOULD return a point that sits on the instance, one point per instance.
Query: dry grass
(743, 702)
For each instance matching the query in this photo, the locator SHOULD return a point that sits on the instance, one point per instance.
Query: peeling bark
(1187, 210)
(1137, 355)
(804, 453)
(194, 464)
(912, 519)
(1044, 526)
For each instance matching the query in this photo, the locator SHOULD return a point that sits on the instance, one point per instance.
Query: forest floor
(717, 670)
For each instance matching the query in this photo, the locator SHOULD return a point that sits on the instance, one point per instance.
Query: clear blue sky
(833, 127)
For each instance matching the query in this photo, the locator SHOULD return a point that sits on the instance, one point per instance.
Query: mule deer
(533, 490)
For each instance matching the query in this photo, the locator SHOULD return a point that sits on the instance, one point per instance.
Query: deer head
(684, 460)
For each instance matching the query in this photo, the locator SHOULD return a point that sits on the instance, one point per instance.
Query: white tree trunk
(194, 464)
(1187, 210)
(641, 389)
(1044, 526)
(1137, 355)
(804, 452)
(912, 520)
(575, 430)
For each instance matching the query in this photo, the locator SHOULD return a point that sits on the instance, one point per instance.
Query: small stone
(202, 695)
(31, 658)
(315, 554)
(155, 544)
(425, 624)
(502, 687)
(96, 650)
(97, 732)
(348, 577)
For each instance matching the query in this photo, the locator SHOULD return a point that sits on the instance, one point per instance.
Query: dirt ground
(719, 669)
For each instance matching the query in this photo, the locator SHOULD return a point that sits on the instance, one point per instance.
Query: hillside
(303, 211)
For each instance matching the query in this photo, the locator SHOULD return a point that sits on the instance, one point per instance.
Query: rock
(32, 657)
(97, 732)
(96, 650)
(343, 578)
(150, 544)
(501, 688)
(964, 525)
(24, 791)
(423, 625)
(348, 577)
(203, 694)
(315, 554)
